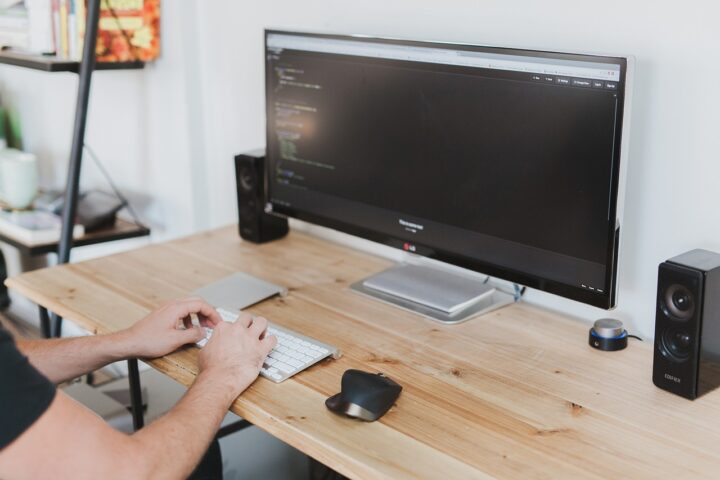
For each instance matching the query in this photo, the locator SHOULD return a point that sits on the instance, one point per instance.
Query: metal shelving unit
(52, 325)
(122, 230)
(51, 63)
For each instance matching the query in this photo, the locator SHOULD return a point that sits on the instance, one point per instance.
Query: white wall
(672, 199)
(184, 117)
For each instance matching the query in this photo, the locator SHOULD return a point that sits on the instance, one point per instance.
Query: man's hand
(169, 327)
(236, 351)
(229, 363)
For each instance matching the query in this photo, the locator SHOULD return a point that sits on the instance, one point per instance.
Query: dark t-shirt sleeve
(25, 393)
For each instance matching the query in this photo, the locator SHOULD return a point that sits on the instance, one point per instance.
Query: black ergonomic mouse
(364, 395)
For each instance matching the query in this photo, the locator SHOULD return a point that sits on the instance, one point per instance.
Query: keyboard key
(284, 367)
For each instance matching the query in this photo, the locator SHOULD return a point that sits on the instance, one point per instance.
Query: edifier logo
(410, 225)
(673, 378)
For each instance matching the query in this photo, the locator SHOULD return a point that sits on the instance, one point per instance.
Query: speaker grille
(247, 179)
(679, 301)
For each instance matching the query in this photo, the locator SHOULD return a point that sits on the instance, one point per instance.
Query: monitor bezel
(605, 300)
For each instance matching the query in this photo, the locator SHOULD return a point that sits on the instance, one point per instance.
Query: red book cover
(128, 30)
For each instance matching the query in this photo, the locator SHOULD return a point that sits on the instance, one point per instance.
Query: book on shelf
(73, 52)
(34, 227)
(26, 25)
(63, 48)
(14, 25)
(13, 17)
(56, 25)
(80, 18)
(128, 30)
(40, 26)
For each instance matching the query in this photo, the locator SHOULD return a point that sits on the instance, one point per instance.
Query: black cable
(519, 292)
(635, 336)
(114, 188)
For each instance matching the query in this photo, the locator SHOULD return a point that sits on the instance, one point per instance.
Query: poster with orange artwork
(129, 30)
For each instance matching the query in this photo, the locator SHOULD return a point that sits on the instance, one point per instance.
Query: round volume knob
(608, 334)
(608, 328)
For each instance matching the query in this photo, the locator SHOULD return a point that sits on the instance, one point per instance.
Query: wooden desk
(515, 394)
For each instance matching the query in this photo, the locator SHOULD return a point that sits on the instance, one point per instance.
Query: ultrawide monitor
(503, 161)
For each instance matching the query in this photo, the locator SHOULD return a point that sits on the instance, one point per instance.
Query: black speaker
(687, 324)
(254, 223)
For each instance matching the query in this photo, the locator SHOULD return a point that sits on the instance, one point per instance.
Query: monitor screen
(502, 161)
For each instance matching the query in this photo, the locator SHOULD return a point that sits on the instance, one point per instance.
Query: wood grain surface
(517, 393)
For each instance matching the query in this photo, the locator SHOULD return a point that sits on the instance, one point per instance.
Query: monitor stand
(444, 296)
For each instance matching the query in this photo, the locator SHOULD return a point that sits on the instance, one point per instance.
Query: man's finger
(191, 335)
(200, 307)
(244, 319)
(187, 322)
(258, 326)
(269, 342)
(206, 321)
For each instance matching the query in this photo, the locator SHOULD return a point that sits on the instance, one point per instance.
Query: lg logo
(673, 378)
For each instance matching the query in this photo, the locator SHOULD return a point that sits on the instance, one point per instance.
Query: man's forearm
(76, 443)
(62, 359)
(174, 444)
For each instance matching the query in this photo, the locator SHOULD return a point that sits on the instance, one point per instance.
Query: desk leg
(241, 424)
(4, 297)
(44, 322)
(57, 326)
(136, 404)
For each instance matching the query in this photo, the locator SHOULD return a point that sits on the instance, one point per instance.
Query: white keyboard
(292, 354)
